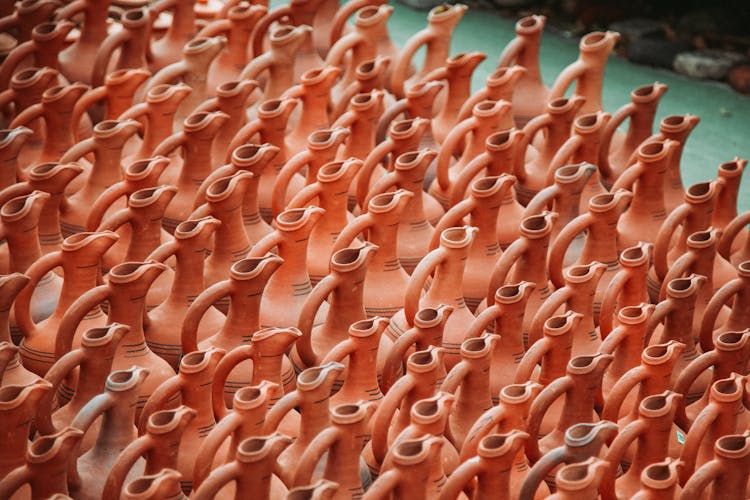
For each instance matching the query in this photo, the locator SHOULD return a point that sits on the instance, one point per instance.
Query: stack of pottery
(259, 253)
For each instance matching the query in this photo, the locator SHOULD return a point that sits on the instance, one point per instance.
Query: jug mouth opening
(698, 192)
(494, 441)
(248, 266)
(45, 28)
(427, 315)
(509, 293)
(197, 43)
(658, 472)
(252, 445)
(248, 397)
(655, 405)
(701, 239)
(645, 91)
(281, 33)
(633, 314)
(134, 16)
(731, 168)
(674, 121)
(368, 12)
(652, 149)
(594, 40)
(410, 448)
(162, 418)
(347, 413)
(291, 216)
(426, 410)
(634, 255)
(535, 224)
(733, 446)
(320, 137)
(731, 341)
(529, 23)
(247, 151)
(587, 121)
(425, 360)
(499, 139)
(106, 125)
(574, 473)
(515, 392)
(682, 287)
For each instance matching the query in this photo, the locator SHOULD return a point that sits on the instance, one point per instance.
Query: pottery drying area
(313, 250)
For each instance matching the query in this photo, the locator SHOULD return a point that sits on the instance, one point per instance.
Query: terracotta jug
(131, 40)
(11, 141)
(526, 260)
(343, 440)
(193, 387)
(693, 215)
(738, 290)
(446, 265)
(436, 38)
(245, 420)
(486, 119)
(581, 442)
(48, 460)
(26, 89)
(331, 190)
(192, 69)
(507, 314)
(251, 158)
(163, 484)
(407, 474)
(269, 128)
(580, 387)
(291, 280)
(165, 321)
(312, 399)
(17, 410)
(736, 230)
(650, 433)
(300, 13)
(321, 148)
(80, 260)
(500, 85)
(645, 179)
(267, 350)
(190, 169)
(51, 178)
(241, 297)
(508, 416)
(414, 231)
(93, 31)
(588, 71)
(584, 144)
(116, 407)
(491, 468)
(530, 94)
(628, 286)
(701, 258)
(618, 147)
(125, 291)
(600, 223)
(321, 490)
(106, 145)
(726, 207)
(109, 101)
(20, 218)
(41, 49)
(277, 66)
(725, 414)
(55, 109)
(677, 128)
(314, 94)
(651, 376)
(237, 26)
(488, 196)
(371, 74)
(728, 356)
(553, 129)
(726, 474)
(577, 294)
(423, 375)
(659, 480)
(23, 17)
(343, 288)
(251, 471)
(429, 323)
(386, 280)
(368, 41)
(580, 481)
(181, 28)
(76, 378)
(626, 342)
(156, 113)
(456, 72)
(231, 243)
(13, 372)
(231, 99)
(469, 380)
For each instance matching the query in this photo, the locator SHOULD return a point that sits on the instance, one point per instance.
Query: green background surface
(724, 130)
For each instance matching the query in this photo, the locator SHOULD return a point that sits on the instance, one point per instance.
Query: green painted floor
(724, 130)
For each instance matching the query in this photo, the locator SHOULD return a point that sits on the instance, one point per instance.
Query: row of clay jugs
(130, 42)
(108, 101)
(313, 92)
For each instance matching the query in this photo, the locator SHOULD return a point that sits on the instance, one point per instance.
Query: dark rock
(707, 64)
(739, 78)
(637, 28)
(655, 52)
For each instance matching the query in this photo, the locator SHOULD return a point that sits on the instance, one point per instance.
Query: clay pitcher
(737, 319)
(386, 280)
(80, 260)
(659, 480)
(314, 94)
(11, 142)
(628, 286)
(446, 265)
(530, 93)
(131, 40)
(726, 474)
(436, 37)
(13, 372)
(108, 101)
(408, 472)
(588, 71)
(291, 280)
(500, 85)
(580, 481)
(93, 31)
(163, 484)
